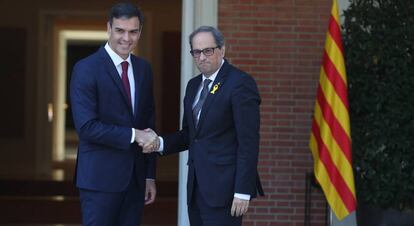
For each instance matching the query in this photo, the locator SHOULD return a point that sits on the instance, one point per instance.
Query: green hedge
(379, 48)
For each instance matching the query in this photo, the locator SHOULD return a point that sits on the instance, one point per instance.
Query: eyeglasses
(207, 51)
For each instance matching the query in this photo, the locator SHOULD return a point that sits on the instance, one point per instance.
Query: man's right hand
(148, 140)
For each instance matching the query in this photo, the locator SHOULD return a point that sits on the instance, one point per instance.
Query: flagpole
(330, 218)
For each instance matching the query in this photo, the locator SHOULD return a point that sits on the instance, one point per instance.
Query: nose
(202, 56)
(126, 36)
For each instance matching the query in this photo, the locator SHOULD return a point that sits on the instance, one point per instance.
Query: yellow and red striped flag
(330, 139)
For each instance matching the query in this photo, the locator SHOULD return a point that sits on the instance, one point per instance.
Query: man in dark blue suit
(221, 131)
(112, 99)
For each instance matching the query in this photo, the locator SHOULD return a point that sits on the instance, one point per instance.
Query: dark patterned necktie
(200, 102)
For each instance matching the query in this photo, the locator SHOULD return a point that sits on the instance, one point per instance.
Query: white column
(187, 69)
(194, 14)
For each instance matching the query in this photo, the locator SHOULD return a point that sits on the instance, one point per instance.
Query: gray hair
(218, 36)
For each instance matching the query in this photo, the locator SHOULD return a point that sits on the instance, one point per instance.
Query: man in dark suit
(112, 98)
(221, 131)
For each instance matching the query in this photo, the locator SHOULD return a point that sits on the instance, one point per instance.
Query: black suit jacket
(223, 149)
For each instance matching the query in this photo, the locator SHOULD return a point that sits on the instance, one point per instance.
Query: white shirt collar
(115, 57)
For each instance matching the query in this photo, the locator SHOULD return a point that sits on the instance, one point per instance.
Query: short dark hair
(125, 10)
(218, 36)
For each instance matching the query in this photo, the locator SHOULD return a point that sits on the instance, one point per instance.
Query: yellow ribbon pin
(215, 88)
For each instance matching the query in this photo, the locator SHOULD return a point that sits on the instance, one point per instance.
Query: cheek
(135, 39)
(114, 38)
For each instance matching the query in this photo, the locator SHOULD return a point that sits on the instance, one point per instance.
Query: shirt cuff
(133, 136)
(242, 196)
(161, 149)
(150, 179)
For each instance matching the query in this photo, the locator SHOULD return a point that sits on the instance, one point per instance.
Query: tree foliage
(379, 47)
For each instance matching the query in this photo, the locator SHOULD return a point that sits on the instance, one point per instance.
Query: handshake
(148, 140)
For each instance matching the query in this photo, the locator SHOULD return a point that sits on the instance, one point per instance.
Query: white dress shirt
(117, 60)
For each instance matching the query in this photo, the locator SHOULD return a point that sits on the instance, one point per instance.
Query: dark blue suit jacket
(223, 150)
(103, 120)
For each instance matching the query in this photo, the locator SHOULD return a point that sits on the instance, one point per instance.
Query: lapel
(139, 74)
(192, 92)
(218, 82)
(113, 73)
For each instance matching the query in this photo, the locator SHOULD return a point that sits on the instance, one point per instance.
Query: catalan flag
(330, 139)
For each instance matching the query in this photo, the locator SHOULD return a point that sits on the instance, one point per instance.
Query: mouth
(204, 63)
(124, 45)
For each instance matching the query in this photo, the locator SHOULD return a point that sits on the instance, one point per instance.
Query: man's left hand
(239, 207)
(150, 191)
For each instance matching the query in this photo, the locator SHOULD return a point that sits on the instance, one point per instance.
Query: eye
(118, 30)
(208, 51)
(195, 52)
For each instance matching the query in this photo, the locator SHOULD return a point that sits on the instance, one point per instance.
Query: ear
(108, 28)
(223, 51)
(140, 32)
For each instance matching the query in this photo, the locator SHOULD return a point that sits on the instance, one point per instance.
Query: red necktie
(125, 80)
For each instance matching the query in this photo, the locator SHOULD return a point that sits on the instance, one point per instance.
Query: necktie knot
(124, 65)
(206, 83)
